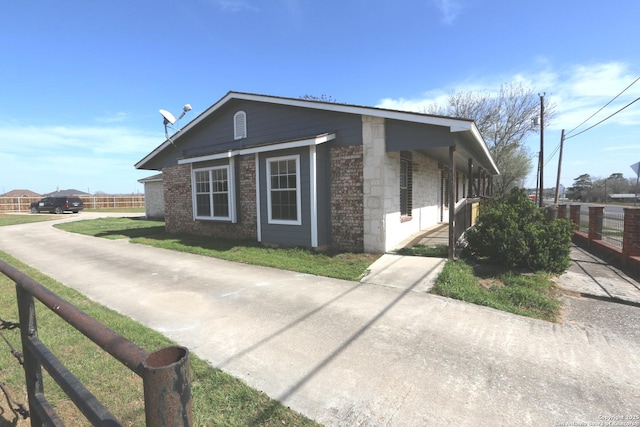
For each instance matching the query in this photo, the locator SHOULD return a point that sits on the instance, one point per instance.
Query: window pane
(202, 205)
(221, 204)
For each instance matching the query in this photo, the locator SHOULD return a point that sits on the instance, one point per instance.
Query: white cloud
(113, 118)
(578, 92)
(450, 10)
(97, 140)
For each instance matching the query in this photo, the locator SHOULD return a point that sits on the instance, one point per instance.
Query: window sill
(213, 219)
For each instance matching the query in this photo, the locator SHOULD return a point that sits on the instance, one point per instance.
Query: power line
(605, 119)
(555, 150)
(604, 106)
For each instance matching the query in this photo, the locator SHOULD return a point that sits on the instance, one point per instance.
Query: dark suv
(57, 205)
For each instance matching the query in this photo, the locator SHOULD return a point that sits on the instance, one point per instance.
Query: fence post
(631, 234)
(596, 215)
(167, 393)
(32, 367)
(562, 211)
(574, 215)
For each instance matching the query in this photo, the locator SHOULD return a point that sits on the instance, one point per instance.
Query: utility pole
(560, 168)
(541, 148)
(538, 182)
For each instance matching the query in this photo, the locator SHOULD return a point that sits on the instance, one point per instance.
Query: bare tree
(505, 120)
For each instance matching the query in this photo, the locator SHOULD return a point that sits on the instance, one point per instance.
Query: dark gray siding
(267, 124)
(289, 235)
(416, 136)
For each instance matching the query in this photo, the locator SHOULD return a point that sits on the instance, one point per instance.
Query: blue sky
(82, 81)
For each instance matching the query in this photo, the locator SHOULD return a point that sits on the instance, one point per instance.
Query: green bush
(512, 231)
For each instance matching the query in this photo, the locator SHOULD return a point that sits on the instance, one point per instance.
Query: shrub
(512, 231)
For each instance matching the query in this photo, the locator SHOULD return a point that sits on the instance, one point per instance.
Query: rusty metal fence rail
(164, 373)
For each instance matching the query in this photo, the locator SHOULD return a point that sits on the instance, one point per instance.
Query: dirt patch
(490, 282)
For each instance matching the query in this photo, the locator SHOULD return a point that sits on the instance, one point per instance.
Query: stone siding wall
(179, 202)
(378, 183)
(347, 209)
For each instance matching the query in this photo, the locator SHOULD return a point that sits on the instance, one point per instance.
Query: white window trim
(313, 196)
(270, 220)
(230, 191)
(256, 157)
(240, 128)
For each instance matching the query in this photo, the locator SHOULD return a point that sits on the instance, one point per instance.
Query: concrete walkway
(590, 276)
(587, 275)
(348, 353)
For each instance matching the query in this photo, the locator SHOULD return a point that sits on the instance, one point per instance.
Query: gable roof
(21, 193)
(454, 124)
(68, 192)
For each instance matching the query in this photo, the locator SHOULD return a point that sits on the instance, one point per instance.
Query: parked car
(57, 205)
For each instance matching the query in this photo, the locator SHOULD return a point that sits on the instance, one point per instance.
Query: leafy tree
(581, 188)
(512, 231)
(617, 183)
(321, 98)
(505, 120)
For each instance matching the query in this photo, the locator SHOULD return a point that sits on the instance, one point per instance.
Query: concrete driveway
(348, 353)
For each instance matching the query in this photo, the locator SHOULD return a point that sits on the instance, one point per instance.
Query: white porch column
(374, 183)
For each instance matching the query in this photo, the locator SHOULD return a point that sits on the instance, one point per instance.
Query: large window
(406, 184)
(213, 196)
(283, 190)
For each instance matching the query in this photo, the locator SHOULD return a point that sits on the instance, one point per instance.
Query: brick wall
(631, 233)
(179, 204)
(177, 197)
(347, 203)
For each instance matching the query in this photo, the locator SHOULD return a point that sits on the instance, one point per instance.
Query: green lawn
(526, 294)
(347, 266)
(13, 219)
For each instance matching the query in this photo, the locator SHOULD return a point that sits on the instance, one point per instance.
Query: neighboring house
(153, 196)
(21, 193)
(287, 171)
(626, 197)
(70, 192)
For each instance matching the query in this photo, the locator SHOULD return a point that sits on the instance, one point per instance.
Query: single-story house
(20, 193)
(296, 172)
(625, 197)
(68, 192)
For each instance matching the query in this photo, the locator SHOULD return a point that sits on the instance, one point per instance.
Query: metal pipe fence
(164, 373)
(613, 228)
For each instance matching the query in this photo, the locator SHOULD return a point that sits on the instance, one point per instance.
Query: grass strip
(530, 295)
(435, 251)
(14, 219)
(218, 398)
(346, 266)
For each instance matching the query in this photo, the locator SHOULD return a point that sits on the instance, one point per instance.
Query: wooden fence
(102, 201)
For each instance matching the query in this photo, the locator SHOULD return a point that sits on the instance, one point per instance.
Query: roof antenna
(169, 119)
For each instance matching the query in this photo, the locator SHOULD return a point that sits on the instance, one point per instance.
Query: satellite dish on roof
(169, 119)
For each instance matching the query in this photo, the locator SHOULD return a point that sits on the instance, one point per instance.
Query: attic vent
(240, 125)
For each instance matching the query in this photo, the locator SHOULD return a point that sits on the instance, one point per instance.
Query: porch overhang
(435, 142)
